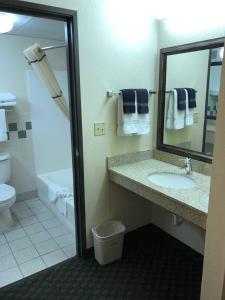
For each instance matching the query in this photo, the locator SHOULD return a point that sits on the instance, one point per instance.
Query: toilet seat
(7, 193)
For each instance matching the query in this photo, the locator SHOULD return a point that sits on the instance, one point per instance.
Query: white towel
(127, 124)
(3, 128)
(7, 97)
(175, 117)
(189, 113)
(54, 191)
(7, 104)
(144, 122)
(62, 201)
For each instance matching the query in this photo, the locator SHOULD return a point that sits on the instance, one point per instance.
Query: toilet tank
(5, 168)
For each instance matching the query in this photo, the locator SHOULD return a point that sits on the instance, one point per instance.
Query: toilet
(7, 192)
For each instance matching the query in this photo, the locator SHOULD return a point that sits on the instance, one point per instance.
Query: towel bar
(168, 92)
(111, 94)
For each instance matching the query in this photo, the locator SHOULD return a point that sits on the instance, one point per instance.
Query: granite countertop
(195, 201)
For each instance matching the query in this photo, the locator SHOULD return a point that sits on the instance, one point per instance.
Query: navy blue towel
(181, 98)
(128, 96)
(142, 101)
(191, 98)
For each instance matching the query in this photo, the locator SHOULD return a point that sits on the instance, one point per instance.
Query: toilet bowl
(7, 193)
(7, 199)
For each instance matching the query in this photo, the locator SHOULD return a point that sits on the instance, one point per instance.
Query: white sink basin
(171, 180)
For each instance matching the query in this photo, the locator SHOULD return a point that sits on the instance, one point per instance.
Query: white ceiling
(38, 28)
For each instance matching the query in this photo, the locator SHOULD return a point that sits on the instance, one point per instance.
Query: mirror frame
(164, 53)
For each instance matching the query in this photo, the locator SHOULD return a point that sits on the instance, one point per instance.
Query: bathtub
(61, 178)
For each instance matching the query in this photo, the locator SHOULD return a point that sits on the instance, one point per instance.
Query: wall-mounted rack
(111, 94)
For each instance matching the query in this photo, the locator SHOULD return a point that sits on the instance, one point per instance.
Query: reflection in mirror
(215, 67)
(188, 100)
(186, 70)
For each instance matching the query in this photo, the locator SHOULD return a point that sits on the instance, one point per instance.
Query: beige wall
(110, 60)
(214, 261)
(188, 70)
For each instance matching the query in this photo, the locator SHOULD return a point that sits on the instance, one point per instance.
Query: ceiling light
(6, 22)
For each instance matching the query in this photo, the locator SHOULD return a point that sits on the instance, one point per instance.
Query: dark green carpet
(155, 267)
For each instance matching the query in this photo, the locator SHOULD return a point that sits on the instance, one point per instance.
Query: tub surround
(191, 204)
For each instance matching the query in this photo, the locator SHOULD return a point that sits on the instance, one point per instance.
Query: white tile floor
(36, 241)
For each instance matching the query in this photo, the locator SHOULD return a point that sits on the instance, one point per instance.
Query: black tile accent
(154, 266)
(12, 126)
(28, 125)
(22, 134)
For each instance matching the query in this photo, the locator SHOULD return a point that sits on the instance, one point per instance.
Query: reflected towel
(175, 117)
(189, 112)
(3, 128)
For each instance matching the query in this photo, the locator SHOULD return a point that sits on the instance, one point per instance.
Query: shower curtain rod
(53, 47)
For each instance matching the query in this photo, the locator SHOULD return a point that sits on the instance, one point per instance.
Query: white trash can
(108, 241)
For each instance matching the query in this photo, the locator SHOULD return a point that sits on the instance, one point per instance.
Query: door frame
(71, 33)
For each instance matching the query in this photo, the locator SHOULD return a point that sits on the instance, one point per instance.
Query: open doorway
(41, 165)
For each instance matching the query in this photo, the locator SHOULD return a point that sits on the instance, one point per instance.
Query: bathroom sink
(171, 180)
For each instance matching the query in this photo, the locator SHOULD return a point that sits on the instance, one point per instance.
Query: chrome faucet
(187, 165)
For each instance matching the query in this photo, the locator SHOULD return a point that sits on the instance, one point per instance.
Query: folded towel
(126, 123)
(175, 117)
(55, 191)
(128, 96)
(7, 97)
(181, 99)
(142, 101)
(191, 97)
(144, 112)
(62, 201)
(189, 112)
(8, 104)
(3, 128)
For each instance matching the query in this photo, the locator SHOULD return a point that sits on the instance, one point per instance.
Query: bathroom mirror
(189, 82)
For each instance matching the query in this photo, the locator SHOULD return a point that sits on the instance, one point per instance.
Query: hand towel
(126, 123)
(128, 96)
(3, 127)
(191, 97)
(181, 99)
(175, 117)
(142, 97)
(7, 97)
(189, 112)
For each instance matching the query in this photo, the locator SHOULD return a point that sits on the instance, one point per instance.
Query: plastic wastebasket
(108, 241)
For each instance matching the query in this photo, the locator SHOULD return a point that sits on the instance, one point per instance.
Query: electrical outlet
(196, 117)
(99, 128)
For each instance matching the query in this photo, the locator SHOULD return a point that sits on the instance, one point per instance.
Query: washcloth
(3, 127)
(181, 99)
(142, 97)
(142, 101)
(191, 97)
(175, 117)
(189, 112)
(126, 123)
